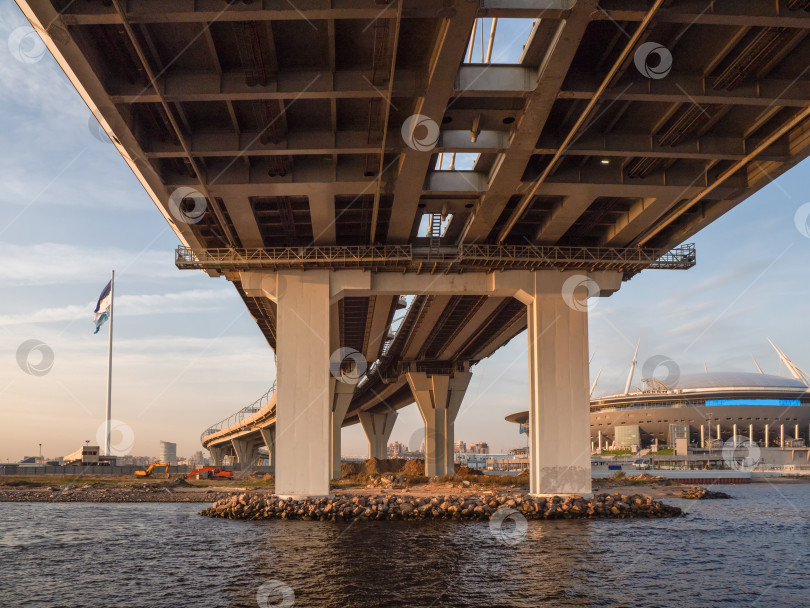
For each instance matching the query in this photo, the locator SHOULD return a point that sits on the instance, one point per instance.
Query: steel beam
(189, 86)
(688, 88)
(402, 258)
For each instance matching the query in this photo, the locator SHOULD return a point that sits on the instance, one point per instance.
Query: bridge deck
(271, 133)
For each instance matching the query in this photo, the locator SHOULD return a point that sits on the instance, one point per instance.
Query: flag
(103, 307)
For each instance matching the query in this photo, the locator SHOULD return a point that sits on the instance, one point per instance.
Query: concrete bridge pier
(304, 434)
(559, 425)
(217, 455)
(269, 438)
(246, 452)
(439, 397)
(378, 429)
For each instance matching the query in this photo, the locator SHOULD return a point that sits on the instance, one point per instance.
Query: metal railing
(245, 412)
(424, 259)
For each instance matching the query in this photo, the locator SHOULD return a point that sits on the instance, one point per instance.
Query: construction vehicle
(210, 472)
(148, 471)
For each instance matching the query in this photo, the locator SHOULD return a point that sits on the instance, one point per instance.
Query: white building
(87, 454)
(168, 452)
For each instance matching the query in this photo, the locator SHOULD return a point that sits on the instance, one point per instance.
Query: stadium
(704, 408)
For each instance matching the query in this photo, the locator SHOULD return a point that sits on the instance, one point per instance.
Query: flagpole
(109, 362)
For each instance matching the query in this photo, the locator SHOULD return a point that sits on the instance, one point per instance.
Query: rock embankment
(471, 507)
(699, 493)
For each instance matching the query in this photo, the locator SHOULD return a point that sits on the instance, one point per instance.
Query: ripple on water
(724, 553)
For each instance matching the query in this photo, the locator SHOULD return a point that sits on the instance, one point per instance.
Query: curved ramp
(243, 433)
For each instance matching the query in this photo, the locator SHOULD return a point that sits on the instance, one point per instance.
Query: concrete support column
(269, 438)
(559, 425)
(781, 435)
(378, 429)
(702, 436)
(245, 452)
(217, 455)
(439, 400)
(341, 395)
(796, 436)
(303, 411)
(750, 434)
(735, 435)
(767, 426)
(718, 431)
(600, 442)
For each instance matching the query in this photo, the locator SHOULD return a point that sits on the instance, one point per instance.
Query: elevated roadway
(307, 150)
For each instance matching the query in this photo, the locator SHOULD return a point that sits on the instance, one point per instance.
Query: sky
(188, 354)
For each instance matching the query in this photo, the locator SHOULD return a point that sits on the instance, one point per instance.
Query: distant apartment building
(130, 460)
(397, 450)
(198, 458)
(168, 452)
(461, 447)
(400, 450)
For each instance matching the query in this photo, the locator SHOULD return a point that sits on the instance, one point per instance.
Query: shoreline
(103, 489)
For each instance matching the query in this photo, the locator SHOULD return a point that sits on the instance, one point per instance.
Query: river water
(750, 551)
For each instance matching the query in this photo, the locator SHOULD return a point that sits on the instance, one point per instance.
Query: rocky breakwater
(470, 507)
(698, 493)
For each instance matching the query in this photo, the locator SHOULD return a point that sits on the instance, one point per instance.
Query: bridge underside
(275, 139)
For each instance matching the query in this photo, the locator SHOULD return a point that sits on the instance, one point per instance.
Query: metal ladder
(435, 233)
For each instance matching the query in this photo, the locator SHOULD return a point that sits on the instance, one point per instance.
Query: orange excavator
(211, 472)
(148, 471)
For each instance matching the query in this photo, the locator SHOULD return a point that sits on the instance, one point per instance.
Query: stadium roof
(735, 379)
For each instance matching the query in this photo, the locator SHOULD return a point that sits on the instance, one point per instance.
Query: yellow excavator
(152, 467)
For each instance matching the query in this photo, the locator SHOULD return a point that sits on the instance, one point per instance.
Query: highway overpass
(306, 150)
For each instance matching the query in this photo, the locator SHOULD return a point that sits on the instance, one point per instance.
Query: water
(751, 551)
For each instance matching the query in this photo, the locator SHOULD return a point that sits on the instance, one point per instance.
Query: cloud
(194, 300)
(39, 87)
(63, 264)
(50, 156)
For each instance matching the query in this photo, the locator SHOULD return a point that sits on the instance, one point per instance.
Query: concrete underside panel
(303, 414)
